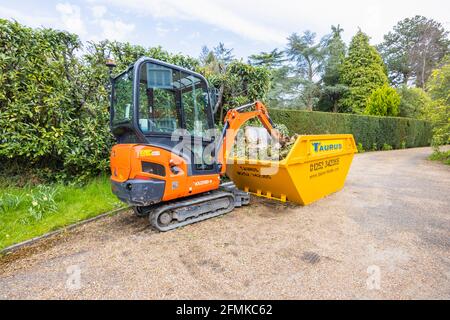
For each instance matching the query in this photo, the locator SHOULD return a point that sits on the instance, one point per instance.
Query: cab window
(158, 110)
(123, 98)
(194, 100)
(163, 94)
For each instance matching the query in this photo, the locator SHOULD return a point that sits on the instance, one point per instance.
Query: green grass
(68, 205)
(442, 156)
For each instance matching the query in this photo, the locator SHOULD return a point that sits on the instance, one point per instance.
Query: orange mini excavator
(167, 164)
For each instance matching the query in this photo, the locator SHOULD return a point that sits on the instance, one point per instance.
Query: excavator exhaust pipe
(316, 166)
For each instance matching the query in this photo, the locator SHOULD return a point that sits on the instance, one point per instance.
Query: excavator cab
(166, 106)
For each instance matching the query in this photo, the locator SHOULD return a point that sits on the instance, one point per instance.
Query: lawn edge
(25, 243)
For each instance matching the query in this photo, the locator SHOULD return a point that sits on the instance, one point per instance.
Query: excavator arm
(234, 119)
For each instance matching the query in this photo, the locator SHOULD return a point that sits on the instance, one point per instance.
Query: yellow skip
(316, 166)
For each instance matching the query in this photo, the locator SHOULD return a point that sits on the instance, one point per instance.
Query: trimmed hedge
(367, 130)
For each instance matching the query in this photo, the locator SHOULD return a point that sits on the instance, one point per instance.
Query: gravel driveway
(385, 235)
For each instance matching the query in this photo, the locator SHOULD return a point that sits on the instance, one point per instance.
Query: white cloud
(31, 20)
(98, 11)
(269, 21)
(217, 14)
(115, 29)
(194, 35)
(71, 18)
(161, 31)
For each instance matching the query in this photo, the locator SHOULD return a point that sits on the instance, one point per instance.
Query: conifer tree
(363, 72)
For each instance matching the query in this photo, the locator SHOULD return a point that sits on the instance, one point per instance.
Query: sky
(249, 27)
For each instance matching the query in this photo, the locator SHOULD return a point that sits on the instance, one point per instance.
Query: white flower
(34, 203)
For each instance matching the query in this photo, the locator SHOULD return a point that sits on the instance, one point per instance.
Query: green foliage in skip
(369, 131)
(363, 72)
(383, 101)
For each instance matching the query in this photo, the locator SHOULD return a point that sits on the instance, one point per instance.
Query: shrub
(383, 101)
(374, 147)
(443, 156)
(360, 147)
(413, 101)
(53, 105)
(386, 147)
(438, 111)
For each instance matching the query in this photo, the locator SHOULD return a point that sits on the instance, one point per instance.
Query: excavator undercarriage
(178, 213)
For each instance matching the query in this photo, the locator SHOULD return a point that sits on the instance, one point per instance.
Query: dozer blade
(316, 166)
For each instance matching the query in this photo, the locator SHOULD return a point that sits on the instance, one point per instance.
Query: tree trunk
(219, 99)
(422, 84)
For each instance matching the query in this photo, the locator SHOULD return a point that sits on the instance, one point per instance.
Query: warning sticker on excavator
(148, 153)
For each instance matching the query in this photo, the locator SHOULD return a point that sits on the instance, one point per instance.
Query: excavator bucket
(315, 167)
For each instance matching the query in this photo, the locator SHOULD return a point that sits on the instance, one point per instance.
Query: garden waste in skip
(315, 166)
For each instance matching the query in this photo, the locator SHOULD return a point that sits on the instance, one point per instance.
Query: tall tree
(308, 58)
(271, 60)
(214, 65)
(363, 71)
(413, 49)
(334, 50)
(281, 84)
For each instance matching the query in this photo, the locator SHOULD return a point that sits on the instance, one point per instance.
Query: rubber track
(154, 214)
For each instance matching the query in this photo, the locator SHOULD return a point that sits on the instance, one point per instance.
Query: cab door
(198, 123)
(173, 107)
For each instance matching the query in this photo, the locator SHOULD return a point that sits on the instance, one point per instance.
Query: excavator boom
(235, 119)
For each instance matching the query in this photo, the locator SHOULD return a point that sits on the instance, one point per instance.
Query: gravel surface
(386, 235)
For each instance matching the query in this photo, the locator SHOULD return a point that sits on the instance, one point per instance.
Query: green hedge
(367, 130)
